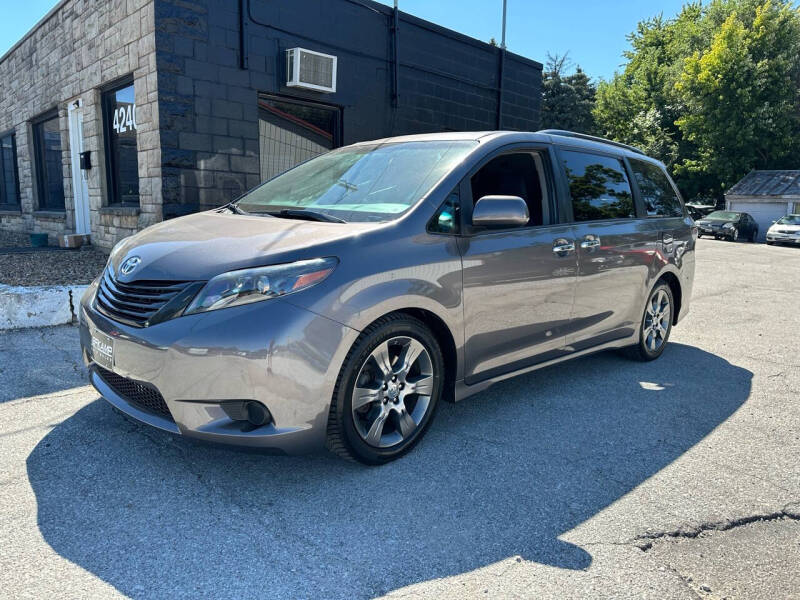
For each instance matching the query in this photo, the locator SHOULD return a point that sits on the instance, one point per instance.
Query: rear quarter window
(658, 195)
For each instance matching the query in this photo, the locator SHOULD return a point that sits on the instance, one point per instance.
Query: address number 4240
(125, 118)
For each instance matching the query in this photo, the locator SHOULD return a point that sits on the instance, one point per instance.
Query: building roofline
(369, 4)
(446, 31)
(34, 29)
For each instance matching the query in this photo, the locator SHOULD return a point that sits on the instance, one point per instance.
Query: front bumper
(284, 356)
(783, 238)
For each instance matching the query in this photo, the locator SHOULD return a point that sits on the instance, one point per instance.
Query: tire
(754, 236)
(389, 418)
(770, 243)
(734, 237)
(645, 350)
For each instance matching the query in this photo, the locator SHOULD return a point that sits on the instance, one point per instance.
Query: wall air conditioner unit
(310, 70)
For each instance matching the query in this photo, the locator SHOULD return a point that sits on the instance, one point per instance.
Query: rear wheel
(655, 326)
(754, 236)
(387, 392)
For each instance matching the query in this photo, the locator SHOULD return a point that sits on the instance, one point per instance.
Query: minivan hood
(200, 246)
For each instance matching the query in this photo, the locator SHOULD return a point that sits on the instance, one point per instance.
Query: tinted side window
(513, 175)
(448, 218)
(658, 195)
(599, 187)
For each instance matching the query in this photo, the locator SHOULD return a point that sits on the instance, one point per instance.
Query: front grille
(788, 231)
(142, 395)
(134, 303)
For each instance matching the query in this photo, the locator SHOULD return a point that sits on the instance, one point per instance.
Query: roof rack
(591, 138)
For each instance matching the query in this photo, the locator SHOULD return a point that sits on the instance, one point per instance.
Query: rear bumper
(278, 354)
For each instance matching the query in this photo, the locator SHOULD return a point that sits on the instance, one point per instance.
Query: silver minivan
(338, 303)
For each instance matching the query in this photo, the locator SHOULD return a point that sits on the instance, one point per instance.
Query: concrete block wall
(208, 104)
(77, 49)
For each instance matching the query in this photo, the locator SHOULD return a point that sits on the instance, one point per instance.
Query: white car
(785, 230)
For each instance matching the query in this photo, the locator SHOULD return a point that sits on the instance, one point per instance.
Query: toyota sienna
(339, 303)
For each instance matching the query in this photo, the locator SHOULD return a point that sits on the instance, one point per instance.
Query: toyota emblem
(129, 265)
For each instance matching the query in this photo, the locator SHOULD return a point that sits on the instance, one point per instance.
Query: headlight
(252, 285)
(728, 226)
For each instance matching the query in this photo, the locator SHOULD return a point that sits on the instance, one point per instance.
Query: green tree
(742, 96)
(567, 100)
(714, 92)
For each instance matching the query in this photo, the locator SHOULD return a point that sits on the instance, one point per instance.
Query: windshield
(789, 220)
(724, 215)
(372, 182)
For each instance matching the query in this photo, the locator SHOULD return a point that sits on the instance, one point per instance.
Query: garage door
(763, 212)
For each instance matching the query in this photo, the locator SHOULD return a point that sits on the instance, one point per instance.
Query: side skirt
(463, 390)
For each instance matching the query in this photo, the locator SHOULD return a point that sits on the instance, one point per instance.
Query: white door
(763, 212)
(80, 186)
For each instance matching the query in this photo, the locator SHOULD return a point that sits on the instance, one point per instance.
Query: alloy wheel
(656, 320)
(393, 391)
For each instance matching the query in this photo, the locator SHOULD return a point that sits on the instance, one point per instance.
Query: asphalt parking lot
(596, 478)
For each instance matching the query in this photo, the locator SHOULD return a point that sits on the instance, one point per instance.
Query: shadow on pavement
(502, 474)
(34, 362)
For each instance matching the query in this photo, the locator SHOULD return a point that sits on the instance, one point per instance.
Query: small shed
(766, 196)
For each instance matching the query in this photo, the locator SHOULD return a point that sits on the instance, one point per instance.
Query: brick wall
(208, 104)
(80, 47)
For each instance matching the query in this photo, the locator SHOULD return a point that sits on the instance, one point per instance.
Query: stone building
(116, 114)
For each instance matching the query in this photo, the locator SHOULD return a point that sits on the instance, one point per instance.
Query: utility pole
(503, 40)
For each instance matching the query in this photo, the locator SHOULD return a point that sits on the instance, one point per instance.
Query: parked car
(729, 225)
(785, 230)
(338, 303)
(698, 210)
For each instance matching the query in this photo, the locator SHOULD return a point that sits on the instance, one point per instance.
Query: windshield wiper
(308, 215)
(231, 206)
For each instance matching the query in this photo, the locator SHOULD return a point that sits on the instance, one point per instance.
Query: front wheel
(387, 391)
(655, 326)
(734, 236)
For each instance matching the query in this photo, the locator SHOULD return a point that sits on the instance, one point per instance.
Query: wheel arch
(674, 284)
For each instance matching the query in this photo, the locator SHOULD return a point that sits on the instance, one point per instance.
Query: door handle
(590, 243)
(564, 247)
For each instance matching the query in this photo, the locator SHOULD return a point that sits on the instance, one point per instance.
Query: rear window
(598, 185)
(660, 199)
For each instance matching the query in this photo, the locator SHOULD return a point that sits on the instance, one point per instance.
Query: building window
(49, 170)
(9, 179)
(122, 162)
(599, 187)
(292, 131)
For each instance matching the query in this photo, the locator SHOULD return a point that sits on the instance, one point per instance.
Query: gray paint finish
(508, 302)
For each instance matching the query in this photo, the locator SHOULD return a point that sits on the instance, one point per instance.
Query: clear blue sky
(593, 31)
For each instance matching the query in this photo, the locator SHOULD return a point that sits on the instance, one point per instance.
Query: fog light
(257, 413)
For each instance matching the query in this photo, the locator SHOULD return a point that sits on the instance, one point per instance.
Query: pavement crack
(645, 542)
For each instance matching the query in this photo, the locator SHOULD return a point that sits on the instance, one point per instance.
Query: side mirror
(500, 211)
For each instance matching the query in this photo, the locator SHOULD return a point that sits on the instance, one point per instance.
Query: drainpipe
(396, 66)
(243, 58)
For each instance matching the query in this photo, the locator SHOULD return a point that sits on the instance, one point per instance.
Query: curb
(38, 306)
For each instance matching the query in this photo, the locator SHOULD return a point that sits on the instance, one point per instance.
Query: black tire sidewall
(645, 352)
(401, 327)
